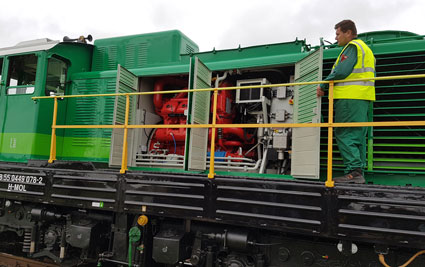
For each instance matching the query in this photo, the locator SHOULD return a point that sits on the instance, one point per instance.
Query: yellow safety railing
(330, 124)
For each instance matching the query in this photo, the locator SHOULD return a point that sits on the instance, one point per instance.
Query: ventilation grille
(92, 111)
(392, 149)
(108, 113)
(85, 113)
(189, 49)
(105, 58)
(307, 70)
(136, 55)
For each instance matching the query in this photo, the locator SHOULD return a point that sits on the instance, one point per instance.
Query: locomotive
(266, 203)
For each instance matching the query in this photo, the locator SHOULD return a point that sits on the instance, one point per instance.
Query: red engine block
(172, 110)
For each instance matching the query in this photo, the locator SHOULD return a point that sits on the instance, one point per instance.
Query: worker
(352, 99)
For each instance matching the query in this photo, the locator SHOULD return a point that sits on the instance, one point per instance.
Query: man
(352, 99)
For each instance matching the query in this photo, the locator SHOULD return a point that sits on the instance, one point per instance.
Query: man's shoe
(355, 177)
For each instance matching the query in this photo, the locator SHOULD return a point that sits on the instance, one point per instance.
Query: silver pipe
(264, 159)
(219, 79)
(158, 164)
(255, 167)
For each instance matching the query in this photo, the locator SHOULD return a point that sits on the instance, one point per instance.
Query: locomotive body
(267, 204)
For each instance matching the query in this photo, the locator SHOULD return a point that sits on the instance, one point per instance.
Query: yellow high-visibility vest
(364, 68)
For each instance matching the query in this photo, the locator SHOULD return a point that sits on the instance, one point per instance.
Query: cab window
(56, 76)
(22, 70)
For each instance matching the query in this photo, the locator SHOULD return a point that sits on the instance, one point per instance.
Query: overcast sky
(221, 24)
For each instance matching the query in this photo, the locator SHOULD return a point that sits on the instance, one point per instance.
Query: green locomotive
(268, 192)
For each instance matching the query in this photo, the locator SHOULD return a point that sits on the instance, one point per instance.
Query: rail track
(7, 260)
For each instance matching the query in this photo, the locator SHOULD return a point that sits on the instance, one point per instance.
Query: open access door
(127, 82)
(305, 162)
(198, 113)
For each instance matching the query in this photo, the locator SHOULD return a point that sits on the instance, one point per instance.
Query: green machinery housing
(157, 60)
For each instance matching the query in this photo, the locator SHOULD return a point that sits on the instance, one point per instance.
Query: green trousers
(352, 140)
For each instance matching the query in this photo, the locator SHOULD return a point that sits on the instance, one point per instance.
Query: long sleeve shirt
(345, 66)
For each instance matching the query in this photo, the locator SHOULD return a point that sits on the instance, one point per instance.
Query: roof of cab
(29, 46)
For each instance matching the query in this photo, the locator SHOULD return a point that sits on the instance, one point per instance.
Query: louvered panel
(126, 82)
(201, 100)
(305, 161)
(112, 58)
(105, 58)
(109, 102)
(136, 55)
(189, 49)
(100, 54)
(130, 59)
(108, 113)
(200, 107)
(200, 116)
(399, 100)
(85, 113)
(142, 55)
(395, 148)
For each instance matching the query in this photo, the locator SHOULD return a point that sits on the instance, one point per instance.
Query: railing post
(124, 146)
(53, 137)
(214, 120)
(329, 181)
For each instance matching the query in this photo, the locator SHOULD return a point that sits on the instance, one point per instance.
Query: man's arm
(342, 70)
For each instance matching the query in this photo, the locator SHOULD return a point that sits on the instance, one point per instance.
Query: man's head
(345, 32)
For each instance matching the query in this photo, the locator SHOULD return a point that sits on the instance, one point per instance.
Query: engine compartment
(259, 150)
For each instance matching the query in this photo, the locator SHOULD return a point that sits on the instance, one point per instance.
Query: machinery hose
(133, 237)
(382, 259)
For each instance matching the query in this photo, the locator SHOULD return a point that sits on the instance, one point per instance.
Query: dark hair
(346, 25)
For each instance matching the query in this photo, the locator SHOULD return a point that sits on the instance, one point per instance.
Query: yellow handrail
(396, 77)
(213, 129)
(125, 144)
(329, 181)
(53, 138)
(330, 124)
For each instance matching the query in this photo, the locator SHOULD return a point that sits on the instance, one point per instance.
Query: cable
(174, 139)
(382, 259)
(144, 122)
(413, 258)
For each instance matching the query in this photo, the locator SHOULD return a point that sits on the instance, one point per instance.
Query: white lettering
(13, 142)
(16, 187)
(16, 178)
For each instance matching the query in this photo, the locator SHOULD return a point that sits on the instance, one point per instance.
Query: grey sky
(220, 24)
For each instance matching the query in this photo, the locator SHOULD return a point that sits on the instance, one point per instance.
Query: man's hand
(319, 91)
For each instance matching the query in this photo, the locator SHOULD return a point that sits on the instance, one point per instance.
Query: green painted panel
(97, 151)
(20, 147)
(25, 143)
(89, 143)
(140, 51)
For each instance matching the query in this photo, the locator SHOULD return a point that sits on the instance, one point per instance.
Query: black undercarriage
(90, 216)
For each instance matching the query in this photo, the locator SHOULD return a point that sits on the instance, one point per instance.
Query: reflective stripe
(356, 83)
(363, 53)
(363, 70)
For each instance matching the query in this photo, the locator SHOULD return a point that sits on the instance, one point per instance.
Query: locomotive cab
(34, 68)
